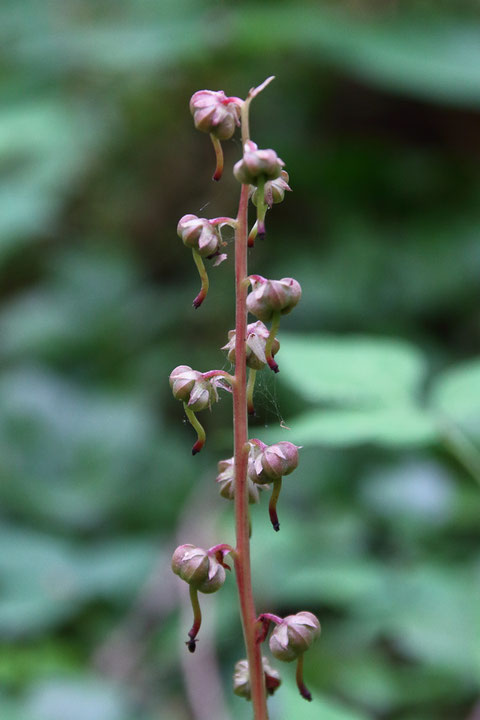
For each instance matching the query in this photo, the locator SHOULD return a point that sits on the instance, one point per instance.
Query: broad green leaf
(402, 426)
(431, 613)
(287, 703)
(456, 395)
(351, 371)
(428, 56)
(85, 698)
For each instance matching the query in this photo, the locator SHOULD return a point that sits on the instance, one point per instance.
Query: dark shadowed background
(376, 111)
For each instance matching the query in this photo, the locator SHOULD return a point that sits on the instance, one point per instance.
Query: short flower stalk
(254, 468)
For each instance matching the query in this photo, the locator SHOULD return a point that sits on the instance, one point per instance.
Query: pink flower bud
(197, 568)
(272, 296)
(226, 479)
(241, 678)
(256, 473)
(274, 190)
(279, 459)
(189, 386)
(257, 165)
(182, 380)
(294, 635)
(213, 112)
(199, 234)
(257, 335)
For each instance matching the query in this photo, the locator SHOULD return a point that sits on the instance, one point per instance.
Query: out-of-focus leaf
(115, 569)
(45, 581)
(428, 56)
(43, 147)
(413, 491)
(429, 613)
(456, 395)
(39, 583)
(82, 699)
(351, 371)
(286, 703)
(403, 426)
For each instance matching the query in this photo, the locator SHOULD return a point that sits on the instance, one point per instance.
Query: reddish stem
(240, 424)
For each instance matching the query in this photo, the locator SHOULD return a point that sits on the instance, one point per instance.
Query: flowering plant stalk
(254, 467)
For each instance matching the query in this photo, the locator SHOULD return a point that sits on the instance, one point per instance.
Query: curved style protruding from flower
(215, 113)
(241, 678)
(269, 300)
(257, 336)
(258, 167)
(204, 238)
(197, 391)
(268, 464)
(204, 573)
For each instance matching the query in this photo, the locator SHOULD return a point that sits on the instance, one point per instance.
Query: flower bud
(197, 568)
(274, 190)
(294, 635)
(182, 380)
(213, 112)
(279, 459)
(241, 678)
(257, 165)
(255, 470)
(202, 395)
(199, 234)
(226, 479)
(189, 386)
(257, 335)
(272, 296)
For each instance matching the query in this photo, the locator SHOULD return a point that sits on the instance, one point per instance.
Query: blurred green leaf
(287, 702)
(398, 427)
(44, 145)
(77, 699)
(368, 386)
(351, 371)
(423, 54)
(456, 395)
(45, 581)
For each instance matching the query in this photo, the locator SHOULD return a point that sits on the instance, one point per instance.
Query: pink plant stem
(240, 424)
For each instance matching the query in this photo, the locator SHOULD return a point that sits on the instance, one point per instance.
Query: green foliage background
(376, 111)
